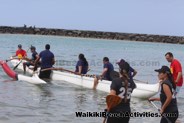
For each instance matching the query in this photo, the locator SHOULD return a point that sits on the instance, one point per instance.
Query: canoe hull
(143, 91)
(12, 74)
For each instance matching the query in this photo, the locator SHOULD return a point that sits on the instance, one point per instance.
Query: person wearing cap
(108, 68)
(167, 96)
(121, 86)
(47, 61)
(20, 53)
(176, 70)
(132, 72)
(32, 60)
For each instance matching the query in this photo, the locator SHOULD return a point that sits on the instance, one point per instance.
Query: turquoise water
(22, 102)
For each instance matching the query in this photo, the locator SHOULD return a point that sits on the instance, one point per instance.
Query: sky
(164, 17)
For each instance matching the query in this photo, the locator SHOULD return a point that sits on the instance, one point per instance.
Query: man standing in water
(108, 68)
(176, 70)
(47, 60)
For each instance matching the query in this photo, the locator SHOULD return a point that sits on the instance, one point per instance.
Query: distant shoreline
(92, 34)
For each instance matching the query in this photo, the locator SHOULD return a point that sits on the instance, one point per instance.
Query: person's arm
(112, 92)
(178, 77)
(15, 54)
(154, 99)
(25, 54)
(36, 63)
(178, 69)
(80, 69)
(104, 71)
(53, 61)
(134, 73)
(37, 60)
(168, 94)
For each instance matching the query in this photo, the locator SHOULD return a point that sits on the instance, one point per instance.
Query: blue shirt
(34, 56)
(46, 59)
(131, 70)
(84, 67)
(110, 68)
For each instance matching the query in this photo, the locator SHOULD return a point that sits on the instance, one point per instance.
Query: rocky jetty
(92, 34)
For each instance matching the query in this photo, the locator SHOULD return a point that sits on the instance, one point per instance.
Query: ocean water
(57, 102)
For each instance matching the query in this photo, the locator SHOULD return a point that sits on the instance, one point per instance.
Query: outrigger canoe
(34, 79)
(142, 91)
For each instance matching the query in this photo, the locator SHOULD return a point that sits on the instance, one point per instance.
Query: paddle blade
(112, 101)
(17, 65)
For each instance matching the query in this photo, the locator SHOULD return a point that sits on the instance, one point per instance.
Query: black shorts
(121, 119)
(45, 74)
(118, 119)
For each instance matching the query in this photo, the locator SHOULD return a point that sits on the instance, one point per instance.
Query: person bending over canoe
(20, 53)
(121, 86)
(176, 70)
(82, 65)
(132, 72)
(167, 96)
(47, 60)
(32, 60)
(108, 68)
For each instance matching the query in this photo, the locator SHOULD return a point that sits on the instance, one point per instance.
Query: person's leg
(24, 67)
(173, 117)
(95, 82)
(45, 74)
(25, 64)
(163, 120)
(177, 90)
(118, 120)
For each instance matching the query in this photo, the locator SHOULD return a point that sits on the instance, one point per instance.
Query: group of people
(45, 59)
(170, 78)
(171, 81)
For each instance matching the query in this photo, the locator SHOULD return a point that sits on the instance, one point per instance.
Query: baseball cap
(120, 61)
(124, 66)
(19, 46)
(164, 69)
(32, 47)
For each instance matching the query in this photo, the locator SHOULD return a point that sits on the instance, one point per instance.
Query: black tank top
(172, 107)
(118, 85)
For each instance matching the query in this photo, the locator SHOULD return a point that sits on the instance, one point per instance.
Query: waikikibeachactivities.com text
(126, 114)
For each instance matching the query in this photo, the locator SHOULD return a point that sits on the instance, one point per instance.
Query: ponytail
(81, 57)
(170, 77)
(124, 70)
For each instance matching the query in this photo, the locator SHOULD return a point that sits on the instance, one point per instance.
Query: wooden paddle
(115, 74)
(87, 75)
(140, 81)
(112, 101)
(11, 59)
(168, 121)
(58, 69)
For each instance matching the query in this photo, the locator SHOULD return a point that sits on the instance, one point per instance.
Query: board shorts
(28, 63)
(45, 74)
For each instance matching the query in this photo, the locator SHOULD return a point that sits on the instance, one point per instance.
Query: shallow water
(21, 102)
